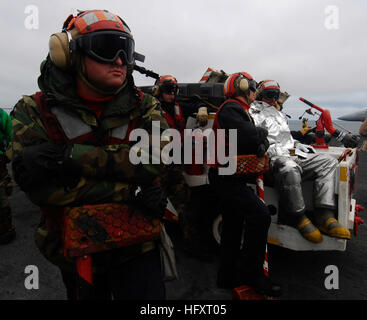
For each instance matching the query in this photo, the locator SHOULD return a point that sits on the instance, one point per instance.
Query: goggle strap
(139, 57)
(72, 43)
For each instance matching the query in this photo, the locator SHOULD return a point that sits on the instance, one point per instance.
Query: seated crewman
(289, 172)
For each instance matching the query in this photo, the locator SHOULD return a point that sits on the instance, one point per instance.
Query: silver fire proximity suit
(290, 171)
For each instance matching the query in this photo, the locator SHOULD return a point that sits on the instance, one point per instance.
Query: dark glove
(264, 143)
(43, 162)
(261, 150)
(350, 140)
(151, 200)
(22, 175)
(262, 133)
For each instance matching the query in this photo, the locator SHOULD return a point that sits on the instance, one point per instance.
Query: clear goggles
(106, 46)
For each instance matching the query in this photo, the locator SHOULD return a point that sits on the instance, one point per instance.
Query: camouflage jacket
(93, 187)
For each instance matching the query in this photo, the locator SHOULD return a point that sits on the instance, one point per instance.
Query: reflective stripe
(272, 240)
(120, 132)
(96, 16)
(226, 84)
(80, 24)
(343, 174)
(206, 75)
(90, 18)
(271, 83)
(72, 126)
(110, 16)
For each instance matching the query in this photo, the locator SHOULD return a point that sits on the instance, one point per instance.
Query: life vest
(65, 127)
(176, 122)
(62, 128)
(222, 143)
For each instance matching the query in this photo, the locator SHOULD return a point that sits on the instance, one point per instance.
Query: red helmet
(96, 20)
(165, 84)
(268, 90)
(238, 83)
(100, 34)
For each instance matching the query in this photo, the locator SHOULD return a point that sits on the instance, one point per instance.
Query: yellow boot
(327, 224)
(309, 231)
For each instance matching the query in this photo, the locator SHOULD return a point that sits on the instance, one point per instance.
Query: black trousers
(241, 208)
(137, 279)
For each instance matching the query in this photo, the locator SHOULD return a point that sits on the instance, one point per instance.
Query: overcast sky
(312, 50)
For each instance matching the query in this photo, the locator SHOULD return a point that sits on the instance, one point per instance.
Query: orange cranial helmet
(268, 90)
(165, 84)
(96, 20)
(100, 34)
(239, 83)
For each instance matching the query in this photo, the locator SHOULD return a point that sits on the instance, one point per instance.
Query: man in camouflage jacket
(71, 147)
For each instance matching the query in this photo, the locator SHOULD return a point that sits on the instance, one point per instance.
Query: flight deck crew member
(239, 204)
(71, 147)
(289, 171)
(179, 193)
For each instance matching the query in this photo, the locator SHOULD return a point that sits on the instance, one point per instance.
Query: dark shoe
(265, 286)
(7, 236)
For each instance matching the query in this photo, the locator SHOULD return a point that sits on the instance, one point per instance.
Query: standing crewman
(71, 147)
(289, 171)
(7, 230)
(166, 90)
(241, 207)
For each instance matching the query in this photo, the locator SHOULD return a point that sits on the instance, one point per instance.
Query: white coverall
(289, 171)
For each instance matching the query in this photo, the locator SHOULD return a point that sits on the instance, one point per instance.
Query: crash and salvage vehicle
(280, 234)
